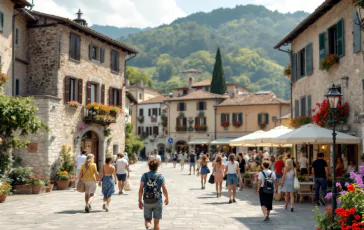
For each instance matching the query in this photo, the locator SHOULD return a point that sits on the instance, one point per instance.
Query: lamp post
(333, 97)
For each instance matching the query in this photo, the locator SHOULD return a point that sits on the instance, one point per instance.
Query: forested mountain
(246, 35)
(115, 32)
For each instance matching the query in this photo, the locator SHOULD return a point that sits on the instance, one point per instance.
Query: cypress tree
(218, 84)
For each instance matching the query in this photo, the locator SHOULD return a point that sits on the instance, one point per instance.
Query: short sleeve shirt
(242, 165)
(319, 168)
(278, 165)
(192, 158)
(303, 163)
(80, 159)
(267, 173)
(90, 173)
(152, 175)
(121, 166)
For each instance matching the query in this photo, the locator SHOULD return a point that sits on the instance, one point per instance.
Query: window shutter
(184, 106)
(241, 117)
(112, 60)
(196, 121)
(340, 38)
(91, 46)
(259, 118)
(80, 90)
(234, 117)
(178, 106)
(117, 62)
(159, 111)
(157, 130)
(309, 59)
(78, 48)
(103, 94)
(66, 89)
(204, 120)
(120, 95)
(149, 112)
(1, 21)
(356, 33)
(147, 130)
(322, 45)
(102, 54)
(197, 105)
(138, 130)
(141, 112)
(222, 118)
(309, 108)
(177, 123)
(88, 93)
(228, 117)
(303, 106)
(298, 67)
(267, 118)
(110, 96)
(296, 108)
(293, 67)
(184, 121)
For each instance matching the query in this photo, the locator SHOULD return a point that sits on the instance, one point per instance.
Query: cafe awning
(241, 140)
(200, 141)
(222, 141)
(266, 139)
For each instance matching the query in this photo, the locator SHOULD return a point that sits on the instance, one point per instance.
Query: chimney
(191, 81)
(79, 20)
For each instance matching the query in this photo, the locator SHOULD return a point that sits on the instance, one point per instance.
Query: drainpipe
(126, 60)
(289, 52)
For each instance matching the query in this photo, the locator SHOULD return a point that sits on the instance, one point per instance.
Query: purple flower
(347, 184)
(343, 192)
(338, 184)
(361, 170)
(328, 196)
(352, 175)
(338, 201)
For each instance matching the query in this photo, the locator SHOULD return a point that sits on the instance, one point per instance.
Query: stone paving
(189, 208)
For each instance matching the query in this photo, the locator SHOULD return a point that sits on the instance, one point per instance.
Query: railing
(200, 128)
(181, 128)
(101, 114)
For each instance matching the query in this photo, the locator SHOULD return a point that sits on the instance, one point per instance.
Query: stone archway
(101, 143)
(181, 145)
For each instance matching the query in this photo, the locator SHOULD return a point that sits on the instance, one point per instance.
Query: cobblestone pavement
(189, 208)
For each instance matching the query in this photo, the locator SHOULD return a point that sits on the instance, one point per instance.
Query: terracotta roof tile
(206, 82)
(154, 100)
(254, 99)
(191, 71)
(199, 94)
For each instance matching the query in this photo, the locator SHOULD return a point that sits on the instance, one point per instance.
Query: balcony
(153, 118)
(101, 114)
(200, 128)
(181, 128)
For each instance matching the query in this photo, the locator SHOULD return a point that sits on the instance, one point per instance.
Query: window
(207, 89)
(185, 92)
(200, 121)
(155, 130)
(335, 40)
(17, 86)
(17, 36)
(72, 93)
(302, 63)
(141, 112)
(140, 96)
(201, 105)
(181, 121)
(155, 112)
(115, 96)
(96, 53)
(93, 93)
(263, 118)
(181, 106)
(73, 89)
(75, 47)
(115, 67)
(303, 106)
(1, 21)
(225, 117)
(237, 117)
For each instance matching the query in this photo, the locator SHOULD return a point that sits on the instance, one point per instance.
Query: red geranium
(323, 113)
(351, 188)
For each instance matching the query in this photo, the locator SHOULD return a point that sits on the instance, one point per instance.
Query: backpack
(151, 194)
(268, 186)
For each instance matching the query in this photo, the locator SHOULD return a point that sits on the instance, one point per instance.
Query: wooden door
(95, 148)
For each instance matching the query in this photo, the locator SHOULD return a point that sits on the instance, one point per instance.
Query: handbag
(212, 179)
(208, 170)
(128, 186)
(296, 183)
(81, 184)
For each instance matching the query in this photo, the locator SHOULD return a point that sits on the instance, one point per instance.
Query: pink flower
(37, 171)
(41, 175)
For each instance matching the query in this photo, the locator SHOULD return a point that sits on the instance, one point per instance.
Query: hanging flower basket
(323, 115)
(237, 124)
(287, 71)
(262, 125)
(329, 61)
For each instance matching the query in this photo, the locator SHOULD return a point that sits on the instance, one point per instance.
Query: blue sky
(151, 13)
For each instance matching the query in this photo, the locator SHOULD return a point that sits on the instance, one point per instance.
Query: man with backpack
(267, 185)
(150, 188)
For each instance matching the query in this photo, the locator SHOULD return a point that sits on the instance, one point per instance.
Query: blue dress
(288, 185)
(108, 186)
(204, 170)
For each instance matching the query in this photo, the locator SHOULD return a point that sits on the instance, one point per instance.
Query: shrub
(20, 175)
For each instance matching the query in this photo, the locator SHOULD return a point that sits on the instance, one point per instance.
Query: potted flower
(246, 179)
(237, 124)
(141, 119)
(5, 190)
(327, 62)
(225, 124)
(262, 125)
(37, 182)
(48, 183)
(20, 178)
(287, 71)
(62, 180)
(74, 104)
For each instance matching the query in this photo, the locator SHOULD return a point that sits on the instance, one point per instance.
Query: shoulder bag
(80, 183)
(296, 183)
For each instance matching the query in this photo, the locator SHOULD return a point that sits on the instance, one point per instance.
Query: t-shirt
(192, 158)
(267, 173)
(278, 165)
(351, 168)
(232, 167)
(246, 158)
(224, 159)
(156, 157)
(303, 163)
(121, 166)
(180, 156)
(80, 159)
(266, 155)
(152, 175)
(175, 156)
(90, 174)
(319, 168)
(242, 166)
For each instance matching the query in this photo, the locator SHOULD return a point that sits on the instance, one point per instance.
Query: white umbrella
(315, 134)
(241, 140)
(265, 139)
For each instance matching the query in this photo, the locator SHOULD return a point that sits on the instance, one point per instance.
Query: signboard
(170, 140)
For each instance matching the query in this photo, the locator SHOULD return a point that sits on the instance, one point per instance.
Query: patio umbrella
(241, 140)
(265, 139)
(314, 134)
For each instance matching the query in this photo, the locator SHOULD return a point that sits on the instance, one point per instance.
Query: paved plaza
(189, 208)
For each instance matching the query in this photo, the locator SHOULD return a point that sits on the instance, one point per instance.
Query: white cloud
(120, 13)
(289, 5)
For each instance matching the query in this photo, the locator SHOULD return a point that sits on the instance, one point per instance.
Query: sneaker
(234, 200)
(266, 218)
(104, 207)
(230, 201)
(322, 202)
(87, 208)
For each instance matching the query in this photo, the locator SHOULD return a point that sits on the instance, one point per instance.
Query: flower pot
(246, 182)
(49, 188)
(3, 198)
(36, 189)
(22, 189)
(62, 184)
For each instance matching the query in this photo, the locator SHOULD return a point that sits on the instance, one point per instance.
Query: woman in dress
(107, 179)
(289, 174)
(232, 171)
(266, 199)
(182, 161)
(203, 170)
(219, 174)
(351, 167)
(89, 176)
(175, 155)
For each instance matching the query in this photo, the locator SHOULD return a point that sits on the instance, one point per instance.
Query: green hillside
(245, 34)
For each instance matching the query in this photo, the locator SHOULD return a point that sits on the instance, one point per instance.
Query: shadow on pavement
(76, 211)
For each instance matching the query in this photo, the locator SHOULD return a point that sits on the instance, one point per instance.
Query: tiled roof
(131, 97)
(142, 87)
(22, 2)
(154, 100)
(191, 71)
(206, 82)
(86, 29)
(254, 99)
(197, 95)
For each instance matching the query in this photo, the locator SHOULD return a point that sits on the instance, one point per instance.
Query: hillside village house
(333, 28)
(64, 61)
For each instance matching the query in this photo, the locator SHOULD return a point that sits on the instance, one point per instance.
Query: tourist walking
(204, 170)
(303, 161)
(267, 183)
(218, 170)
(180, 156)
(288, 182)
(107, 180)
(166, 157)
(182, 162)
(242, 167)
(90, 176)
(232, 172)
(156, 156)
(150, 188)
(320, 171)
(175, 155)
(80, 159)
(122, 170)
(278, 166)
(192, 158)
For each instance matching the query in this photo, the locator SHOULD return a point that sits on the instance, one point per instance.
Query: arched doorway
(90, 142)
(181, 146)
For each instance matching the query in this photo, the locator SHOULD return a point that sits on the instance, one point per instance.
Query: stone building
(333, 28)
(65, 61)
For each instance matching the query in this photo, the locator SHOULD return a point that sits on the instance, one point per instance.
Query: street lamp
(333, 97)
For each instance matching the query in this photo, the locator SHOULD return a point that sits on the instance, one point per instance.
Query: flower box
(22, 189)
(237, 124)
(329, 61)
(225, 124)
(200, 128)
(181, 128)
(73, 104)
(262, 125)
(101, 114)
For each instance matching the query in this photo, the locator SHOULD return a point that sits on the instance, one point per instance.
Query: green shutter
(298, 66)
(222, 118)
(322, 44)
(293, 67)
(267, 118)
(296, 108)
(356, 33)
(241, 117)
(309, 61)
(259, 118)
(1, 21)
(309, 108)
(340, 38)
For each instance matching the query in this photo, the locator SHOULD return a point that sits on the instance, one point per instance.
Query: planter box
(3, 198)
(22, 189)
(38, 189)
(49, 188)
(62, 184)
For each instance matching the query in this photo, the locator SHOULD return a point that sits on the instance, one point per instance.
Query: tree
(132, 143)
(218, 83)
(17, 119)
